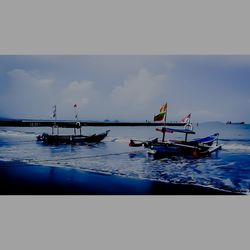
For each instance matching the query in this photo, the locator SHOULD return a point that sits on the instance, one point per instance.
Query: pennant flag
(76, 113)
(53, 115)
(186, 119)
(162, 114)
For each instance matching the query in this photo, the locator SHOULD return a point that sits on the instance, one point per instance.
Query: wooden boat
(196, 148)
(71, 139)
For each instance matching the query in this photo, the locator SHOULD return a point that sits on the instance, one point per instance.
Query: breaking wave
(5, 159)
(235, 140)
(12, 133)
(237, 147)
(117, 139)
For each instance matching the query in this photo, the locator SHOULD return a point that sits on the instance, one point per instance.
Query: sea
(228, 169)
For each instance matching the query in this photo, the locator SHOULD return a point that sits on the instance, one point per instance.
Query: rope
(83, 157)
(21, 141)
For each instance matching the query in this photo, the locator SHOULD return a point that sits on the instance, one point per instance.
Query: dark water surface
(229, 169)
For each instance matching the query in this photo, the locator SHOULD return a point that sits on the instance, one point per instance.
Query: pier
(72, 124)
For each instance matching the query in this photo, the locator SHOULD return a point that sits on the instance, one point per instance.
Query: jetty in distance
(72, 124)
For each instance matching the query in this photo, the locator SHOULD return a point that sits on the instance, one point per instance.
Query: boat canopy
(206, 139)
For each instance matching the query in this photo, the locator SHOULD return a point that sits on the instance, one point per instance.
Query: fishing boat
(70, 139)
(163, 148)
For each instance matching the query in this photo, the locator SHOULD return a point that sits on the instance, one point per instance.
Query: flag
(159, 117)
(162, 114)
(53, 115)
(186, 119)
(76, 113)
(163, 108)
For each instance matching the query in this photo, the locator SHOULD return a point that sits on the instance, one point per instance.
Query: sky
(126, 87)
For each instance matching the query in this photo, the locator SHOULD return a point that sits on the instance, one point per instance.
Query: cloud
(32, 96)
(79, 91)
(125, 87)
(139, 93)
(169, 65)
(29, 95)
(29, 78)
(82, 93)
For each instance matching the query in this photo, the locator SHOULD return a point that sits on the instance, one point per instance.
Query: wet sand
(24, 179)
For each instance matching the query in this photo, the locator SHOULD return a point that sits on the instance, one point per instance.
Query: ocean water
(229, 169)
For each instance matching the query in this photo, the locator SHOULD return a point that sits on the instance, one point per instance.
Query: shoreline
(25, 179)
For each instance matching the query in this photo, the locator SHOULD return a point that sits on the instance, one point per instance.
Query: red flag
(162, 114)
(186, 119)
(159, 117)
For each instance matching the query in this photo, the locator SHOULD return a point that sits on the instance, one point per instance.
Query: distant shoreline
(72, 124)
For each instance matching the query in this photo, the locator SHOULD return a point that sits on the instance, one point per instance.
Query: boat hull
(182, 149)
(196, 148)
(71, 139)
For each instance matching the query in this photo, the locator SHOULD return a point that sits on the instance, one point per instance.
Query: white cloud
(79, 92)
(33, 96)
(29, 96)
(139, 93)
(82, 93)
(169, 65)
(29, 78)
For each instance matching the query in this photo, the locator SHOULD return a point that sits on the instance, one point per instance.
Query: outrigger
(196, 148)
(70, 139)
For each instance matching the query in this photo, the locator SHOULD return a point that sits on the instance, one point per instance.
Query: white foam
(237, 147)
(228, 183)
(15, 133)
(117, 139)
(5, 159)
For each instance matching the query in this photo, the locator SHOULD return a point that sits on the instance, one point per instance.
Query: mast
(165, 117)
(77, 123)
(165, 121)
(75, 118)
(55, 119)
(57, 127)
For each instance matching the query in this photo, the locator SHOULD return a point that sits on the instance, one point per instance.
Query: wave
(5, 159)
(237, 147)
(12, 133)
(117, 139)
(188, 178)
(236, 140)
